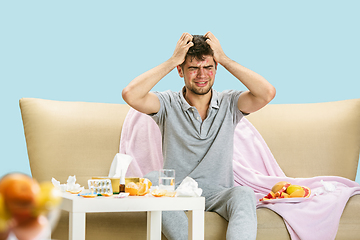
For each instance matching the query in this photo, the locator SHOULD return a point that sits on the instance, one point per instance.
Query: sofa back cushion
(314, 139)
(71, 138)
(82, 138)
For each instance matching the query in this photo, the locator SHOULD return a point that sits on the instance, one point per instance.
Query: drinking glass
(167, 179)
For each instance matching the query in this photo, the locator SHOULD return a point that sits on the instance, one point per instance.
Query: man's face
(198, 74)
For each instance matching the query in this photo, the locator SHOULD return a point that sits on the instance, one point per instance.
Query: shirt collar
(186, 106)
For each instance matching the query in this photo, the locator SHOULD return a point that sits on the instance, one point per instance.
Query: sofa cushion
(316, 139)
(71, 138)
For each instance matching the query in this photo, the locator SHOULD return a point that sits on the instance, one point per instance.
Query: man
(197, 126)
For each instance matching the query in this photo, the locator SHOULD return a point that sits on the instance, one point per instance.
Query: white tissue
(70, 186)
(326, 188)
(120, 163)
(188, 188)
(329, 187)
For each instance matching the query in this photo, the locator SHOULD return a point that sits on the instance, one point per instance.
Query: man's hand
(137, 94)
(260, 93)
(182, 47)
(214, 43)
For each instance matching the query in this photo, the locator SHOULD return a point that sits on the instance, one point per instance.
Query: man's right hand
(182, 47)
(137, 94)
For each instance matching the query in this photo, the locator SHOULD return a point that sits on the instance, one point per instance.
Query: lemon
(293, 188)
(48, 198)
(4, 216)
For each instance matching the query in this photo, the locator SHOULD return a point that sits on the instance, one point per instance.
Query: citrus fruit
(136, 189)
(307, 191)
(48, 198)
(298, 191)
(287, 190)
(278, 186)
(292, 188)
(19, 191)
(4, 216)
(159, 193)
(146, 181)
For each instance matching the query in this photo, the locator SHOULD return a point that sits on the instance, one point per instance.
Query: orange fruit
(136, 189)
(19, 192)
(146, 181)
(159, 193)
(140, 188)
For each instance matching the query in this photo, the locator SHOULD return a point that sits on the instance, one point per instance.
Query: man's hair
(200, 49)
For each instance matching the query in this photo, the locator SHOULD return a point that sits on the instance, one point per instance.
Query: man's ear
(179, 69)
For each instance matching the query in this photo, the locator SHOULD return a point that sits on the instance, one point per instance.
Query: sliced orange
(159, 193)
(170, 194)
(74, 192)
(89, 195)
(146, 181)
(136, 189)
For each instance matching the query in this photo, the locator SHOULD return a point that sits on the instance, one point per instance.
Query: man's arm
(260, 93)
(137, 94)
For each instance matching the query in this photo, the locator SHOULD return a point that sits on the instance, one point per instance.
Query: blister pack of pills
(100, 186)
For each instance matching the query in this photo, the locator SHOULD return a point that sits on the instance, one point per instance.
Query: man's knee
(242, 196)
(242, 192)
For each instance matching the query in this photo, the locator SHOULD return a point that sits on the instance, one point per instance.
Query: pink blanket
(254, 166)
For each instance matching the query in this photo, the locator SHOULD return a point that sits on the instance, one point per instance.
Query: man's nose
(201, 72)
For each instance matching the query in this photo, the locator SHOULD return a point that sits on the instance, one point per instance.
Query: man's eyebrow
(206, 66)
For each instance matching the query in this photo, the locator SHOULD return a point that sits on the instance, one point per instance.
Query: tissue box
(115, 182)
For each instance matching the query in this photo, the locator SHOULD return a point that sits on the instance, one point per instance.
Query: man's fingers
(209, 35)
(190, 44)
(185, 36)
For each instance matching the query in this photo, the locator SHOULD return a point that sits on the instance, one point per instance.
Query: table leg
(77, 226)
(196, 225)
(153, 225)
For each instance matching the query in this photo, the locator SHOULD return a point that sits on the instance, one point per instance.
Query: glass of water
(167, 179)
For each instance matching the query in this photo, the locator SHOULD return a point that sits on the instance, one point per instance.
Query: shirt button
(192, 109)
(197, 118)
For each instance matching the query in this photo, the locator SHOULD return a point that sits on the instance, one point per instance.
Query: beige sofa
(82, 138)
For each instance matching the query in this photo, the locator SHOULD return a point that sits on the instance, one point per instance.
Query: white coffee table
(78, 207)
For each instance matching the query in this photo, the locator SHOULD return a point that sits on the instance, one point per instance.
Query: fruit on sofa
(278, 186)
(292, 188)
(287, 190)
(307, 191)
(298, 191)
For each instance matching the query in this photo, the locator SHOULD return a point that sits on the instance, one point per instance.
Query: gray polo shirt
(200, 149)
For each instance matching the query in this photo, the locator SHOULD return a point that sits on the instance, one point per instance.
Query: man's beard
(200, 91)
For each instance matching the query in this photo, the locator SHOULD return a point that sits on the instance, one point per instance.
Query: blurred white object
(188, 188)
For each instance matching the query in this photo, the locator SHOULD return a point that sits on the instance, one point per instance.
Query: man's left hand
(214, 43)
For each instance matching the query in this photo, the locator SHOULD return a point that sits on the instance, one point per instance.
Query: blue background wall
(90, 50)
